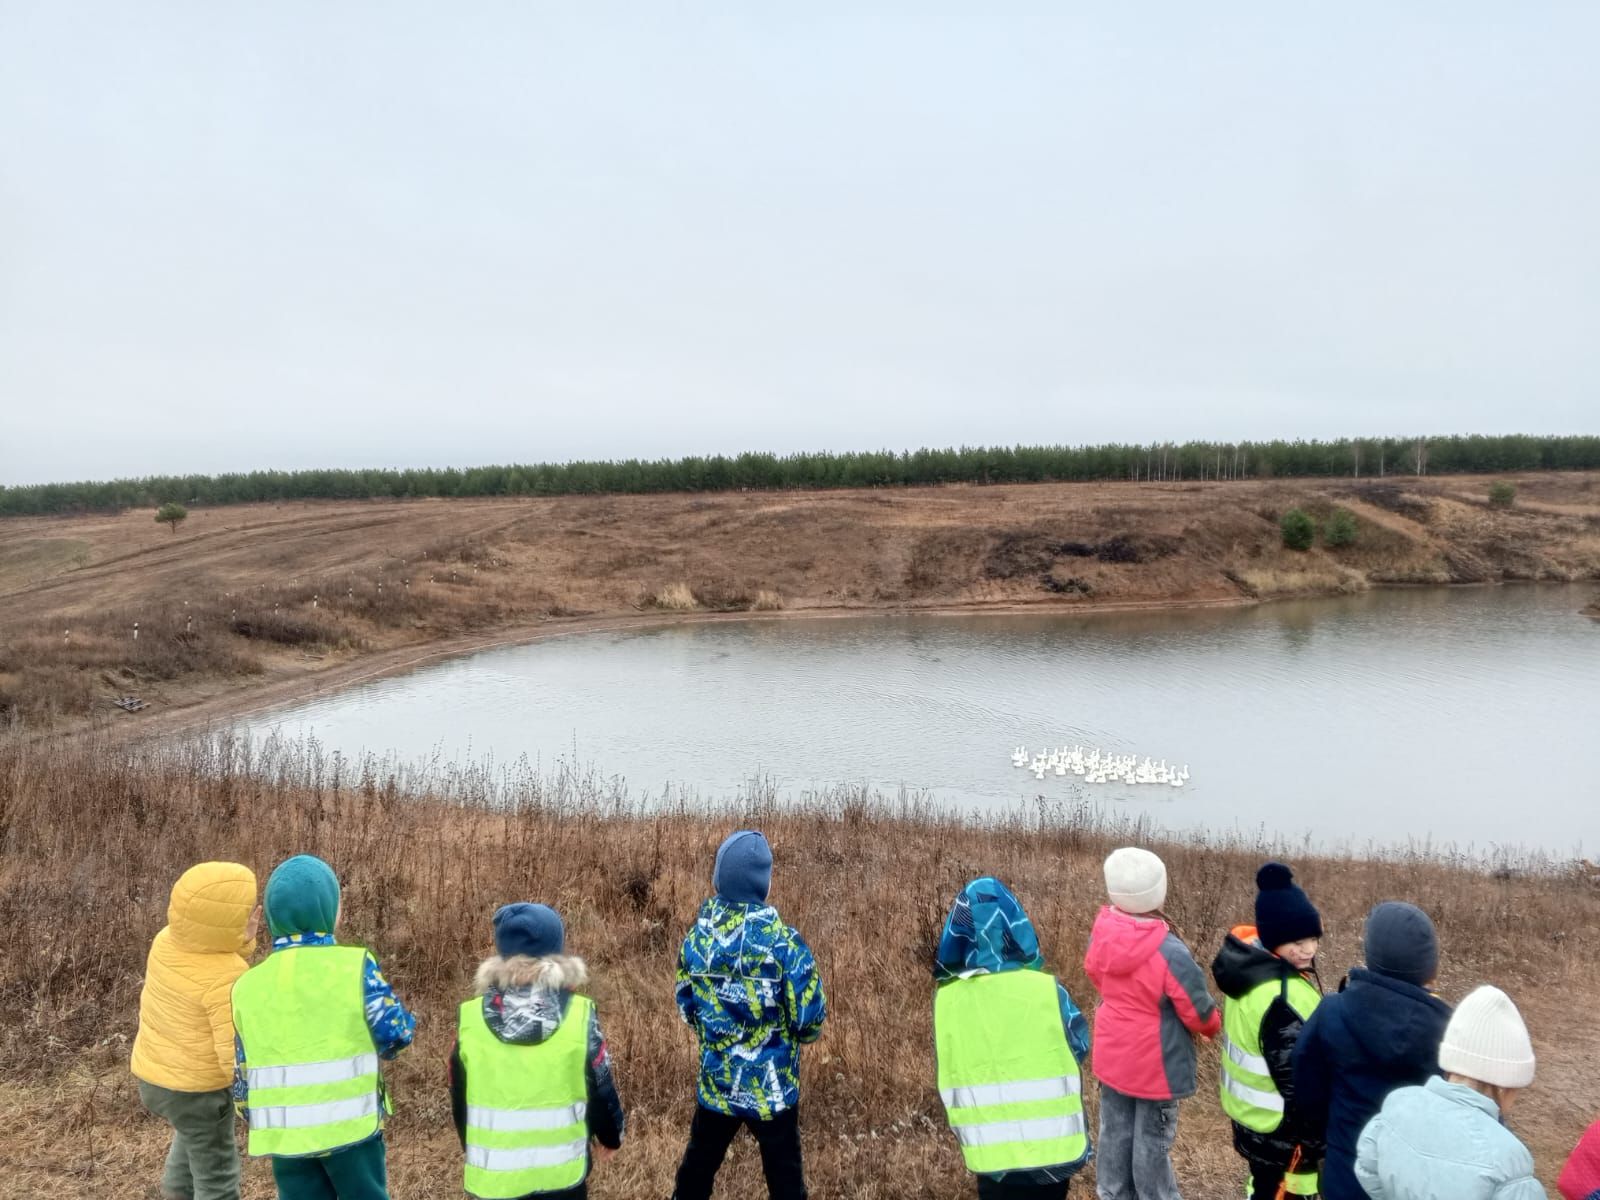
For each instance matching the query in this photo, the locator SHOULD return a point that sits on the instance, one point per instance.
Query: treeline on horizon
(1168, 461)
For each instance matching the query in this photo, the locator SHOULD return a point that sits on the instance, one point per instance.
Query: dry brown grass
(1313, 579)
(91, 837)
(675, 597)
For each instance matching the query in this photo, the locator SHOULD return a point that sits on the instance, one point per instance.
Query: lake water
(1464, 717)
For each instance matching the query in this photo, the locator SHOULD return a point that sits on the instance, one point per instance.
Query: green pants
(203, 1163)
(359, 1172)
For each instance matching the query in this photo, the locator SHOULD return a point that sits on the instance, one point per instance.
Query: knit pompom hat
(1401, 943)
(1284, 913)
(1486, 1040)
(1136, 880)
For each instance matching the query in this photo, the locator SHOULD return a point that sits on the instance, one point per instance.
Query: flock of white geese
(1096, 766)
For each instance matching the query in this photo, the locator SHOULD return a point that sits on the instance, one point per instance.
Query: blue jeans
(1135, 1152)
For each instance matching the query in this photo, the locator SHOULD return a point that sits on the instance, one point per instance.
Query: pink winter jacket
(1581, 1178)
(1152, 997)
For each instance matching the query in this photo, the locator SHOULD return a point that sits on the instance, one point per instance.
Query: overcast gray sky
(301, 233)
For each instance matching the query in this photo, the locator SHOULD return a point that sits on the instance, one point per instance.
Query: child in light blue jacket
(1446, 1139)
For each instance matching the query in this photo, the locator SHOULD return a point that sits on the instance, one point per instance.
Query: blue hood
(986, 933)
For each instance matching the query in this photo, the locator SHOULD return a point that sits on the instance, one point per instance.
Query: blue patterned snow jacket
(986, 933)
(749, 988)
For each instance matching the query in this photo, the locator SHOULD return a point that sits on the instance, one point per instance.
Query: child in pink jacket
(1153, 998)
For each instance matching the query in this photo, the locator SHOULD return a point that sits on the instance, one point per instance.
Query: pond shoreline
(254, 700)
(247, 608)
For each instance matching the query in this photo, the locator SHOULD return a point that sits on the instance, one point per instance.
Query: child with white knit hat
(1447, 1137)
(1153, 997)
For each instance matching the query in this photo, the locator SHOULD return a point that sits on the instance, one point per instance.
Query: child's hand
(253, 925)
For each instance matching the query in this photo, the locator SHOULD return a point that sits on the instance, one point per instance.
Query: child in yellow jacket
(183, 1055)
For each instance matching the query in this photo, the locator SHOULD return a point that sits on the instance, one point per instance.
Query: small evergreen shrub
(171, 513)
(1502, 494)
(1341, 528)
(1299, 530)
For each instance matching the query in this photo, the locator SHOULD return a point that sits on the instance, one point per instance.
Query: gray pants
(1134, 1158)
(203, 1163)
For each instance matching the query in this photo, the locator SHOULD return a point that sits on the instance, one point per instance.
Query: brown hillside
(251, 603)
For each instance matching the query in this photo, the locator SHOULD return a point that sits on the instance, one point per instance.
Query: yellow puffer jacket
(185, 1040)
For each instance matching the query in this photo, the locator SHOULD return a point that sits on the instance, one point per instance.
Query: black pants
(990, 1188)
(710, 1134)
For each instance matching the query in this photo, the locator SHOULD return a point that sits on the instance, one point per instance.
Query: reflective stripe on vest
(1245, 1082)
(306, 1074)
(1010, 1085)
(310, 1063)
(1253, 1063)
(1300, 1183)
(1245, 1094)
(1011, 1093)
(519, 1120)
(527, 1105)
(1303, 1183)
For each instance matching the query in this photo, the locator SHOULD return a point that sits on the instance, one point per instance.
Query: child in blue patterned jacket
(749, 988)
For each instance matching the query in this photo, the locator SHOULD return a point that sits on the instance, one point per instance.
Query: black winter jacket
(1239, 968)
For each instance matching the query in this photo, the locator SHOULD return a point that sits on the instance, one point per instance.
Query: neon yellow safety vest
(310, 1061)
(527, 1105)
(1010, 1085)
(1248, 1094)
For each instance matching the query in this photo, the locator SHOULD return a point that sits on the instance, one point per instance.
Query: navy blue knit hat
(742, 873)
(531, 929)
(1402, 943)
(1284, 913)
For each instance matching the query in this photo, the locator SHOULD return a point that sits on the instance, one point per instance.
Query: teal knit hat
(302, 896)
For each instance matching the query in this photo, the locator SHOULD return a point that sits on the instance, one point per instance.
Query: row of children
(1373, 1084)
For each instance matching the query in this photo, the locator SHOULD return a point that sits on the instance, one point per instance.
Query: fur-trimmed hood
(525, 999)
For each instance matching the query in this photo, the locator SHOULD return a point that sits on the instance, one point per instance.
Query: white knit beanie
(1136, 880)
(1487, 1041)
